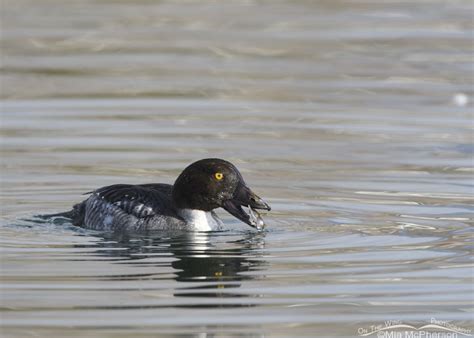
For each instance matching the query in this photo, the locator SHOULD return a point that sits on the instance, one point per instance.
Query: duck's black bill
(243, 196)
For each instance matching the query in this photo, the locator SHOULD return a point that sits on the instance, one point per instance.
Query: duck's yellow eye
(219, 176)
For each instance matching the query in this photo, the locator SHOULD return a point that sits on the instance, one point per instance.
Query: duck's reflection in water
(210, 264)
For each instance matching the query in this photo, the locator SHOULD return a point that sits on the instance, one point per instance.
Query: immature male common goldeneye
(188, 204)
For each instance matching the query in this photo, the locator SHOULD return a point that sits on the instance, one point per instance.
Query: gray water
(353, 119)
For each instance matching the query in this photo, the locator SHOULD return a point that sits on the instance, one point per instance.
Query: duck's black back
(134, 207)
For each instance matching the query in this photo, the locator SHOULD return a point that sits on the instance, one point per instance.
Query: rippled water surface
(351, 118)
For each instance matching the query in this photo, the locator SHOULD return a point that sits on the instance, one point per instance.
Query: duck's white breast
(201, 220)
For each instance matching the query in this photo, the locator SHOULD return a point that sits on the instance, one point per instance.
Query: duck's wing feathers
(138, 200)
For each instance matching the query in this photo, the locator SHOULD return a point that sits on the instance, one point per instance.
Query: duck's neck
(201, 220)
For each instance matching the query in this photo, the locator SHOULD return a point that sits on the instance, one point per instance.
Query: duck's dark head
(212, 183)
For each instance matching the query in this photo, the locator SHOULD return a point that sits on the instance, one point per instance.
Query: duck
(188, 204)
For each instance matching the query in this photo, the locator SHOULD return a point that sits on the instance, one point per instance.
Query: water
(352, 119)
